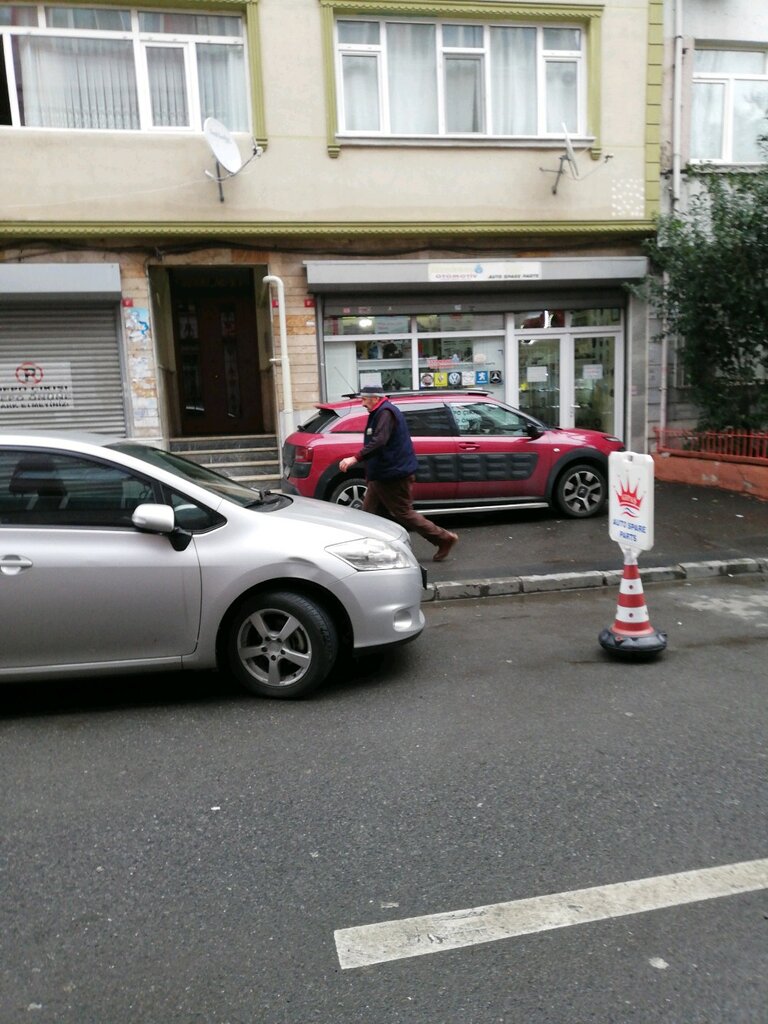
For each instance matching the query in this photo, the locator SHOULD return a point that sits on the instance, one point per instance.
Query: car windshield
(217, 483)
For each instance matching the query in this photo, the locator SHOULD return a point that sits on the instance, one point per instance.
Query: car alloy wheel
(281, 644)
(350, 493)
(581, 491)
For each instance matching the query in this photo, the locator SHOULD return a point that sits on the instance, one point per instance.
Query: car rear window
(320, 423)
(428, 421)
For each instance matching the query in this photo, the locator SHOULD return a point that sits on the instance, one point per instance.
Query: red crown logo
(629, 502)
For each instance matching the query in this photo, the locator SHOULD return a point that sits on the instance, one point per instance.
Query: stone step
(253, 461)
(232, 457)
(226, 443)
(261, 480)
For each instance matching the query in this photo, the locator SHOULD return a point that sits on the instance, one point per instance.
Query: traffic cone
(632, 633)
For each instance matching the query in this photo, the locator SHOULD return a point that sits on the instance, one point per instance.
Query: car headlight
(368, 553)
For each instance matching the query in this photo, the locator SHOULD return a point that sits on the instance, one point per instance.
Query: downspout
(677, 134)
(286, 414)
(677, 103)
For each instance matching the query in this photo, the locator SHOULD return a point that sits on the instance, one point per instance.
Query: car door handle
(12, 565)
(469, 446)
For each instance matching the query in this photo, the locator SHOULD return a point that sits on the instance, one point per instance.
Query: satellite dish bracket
(564, 159)
(219, 177)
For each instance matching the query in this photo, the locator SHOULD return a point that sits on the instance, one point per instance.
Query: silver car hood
(323, 513)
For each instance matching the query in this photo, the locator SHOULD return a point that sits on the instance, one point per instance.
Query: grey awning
(441, 275)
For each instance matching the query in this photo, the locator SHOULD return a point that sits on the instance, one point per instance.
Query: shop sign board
(32, 385)
(492, 270)
(630, 501)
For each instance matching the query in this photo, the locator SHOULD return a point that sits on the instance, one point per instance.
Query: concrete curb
(547, 583)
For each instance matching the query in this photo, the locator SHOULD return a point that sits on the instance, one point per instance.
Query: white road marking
(434, 933)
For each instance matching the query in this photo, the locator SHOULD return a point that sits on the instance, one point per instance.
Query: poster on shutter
(31, 385)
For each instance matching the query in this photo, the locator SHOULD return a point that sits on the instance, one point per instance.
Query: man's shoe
(444, 547)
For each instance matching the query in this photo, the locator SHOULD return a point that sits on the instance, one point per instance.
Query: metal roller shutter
(75, 347)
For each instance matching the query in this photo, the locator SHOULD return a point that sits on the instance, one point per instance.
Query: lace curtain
(92, 83)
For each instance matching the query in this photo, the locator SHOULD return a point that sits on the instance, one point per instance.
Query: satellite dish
(226, 151)
(222, 145)
(570, 155)
(569, 159)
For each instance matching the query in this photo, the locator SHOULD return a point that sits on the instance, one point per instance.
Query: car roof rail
(423, 392)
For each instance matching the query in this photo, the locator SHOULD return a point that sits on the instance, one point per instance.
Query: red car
(475, 454)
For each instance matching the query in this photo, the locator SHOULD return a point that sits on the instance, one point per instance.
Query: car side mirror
(152, 518)
(532, 430)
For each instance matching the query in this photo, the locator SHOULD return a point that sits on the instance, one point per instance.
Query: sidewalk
(698, 531)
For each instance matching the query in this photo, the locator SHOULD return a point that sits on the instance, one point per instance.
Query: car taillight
(302, 454)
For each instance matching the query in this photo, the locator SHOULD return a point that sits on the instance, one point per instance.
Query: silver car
(118, 557)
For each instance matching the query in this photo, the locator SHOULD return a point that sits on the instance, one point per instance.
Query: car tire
(581, 491)
(349, 493)
(281, 644)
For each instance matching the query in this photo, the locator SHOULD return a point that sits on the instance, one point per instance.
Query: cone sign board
(630, 501)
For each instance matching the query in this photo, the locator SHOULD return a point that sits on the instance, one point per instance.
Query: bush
(713, 294)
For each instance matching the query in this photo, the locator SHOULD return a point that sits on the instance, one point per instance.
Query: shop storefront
(558, 352)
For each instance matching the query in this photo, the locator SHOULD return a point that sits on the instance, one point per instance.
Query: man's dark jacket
(397, 458)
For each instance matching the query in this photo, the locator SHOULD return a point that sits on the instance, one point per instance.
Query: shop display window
(443, 323)
(539, 319)
(596, 317)
(365, 325)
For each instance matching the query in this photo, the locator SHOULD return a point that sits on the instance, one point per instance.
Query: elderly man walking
(390, 464)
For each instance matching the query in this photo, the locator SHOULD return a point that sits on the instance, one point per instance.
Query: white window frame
(141, 41)
(727, 81)
(543, 58)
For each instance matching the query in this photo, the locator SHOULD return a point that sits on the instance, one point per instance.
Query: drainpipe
(286, 415)
(677, 134)
(677, 103)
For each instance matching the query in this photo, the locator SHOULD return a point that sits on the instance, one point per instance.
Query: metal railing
(725, 446)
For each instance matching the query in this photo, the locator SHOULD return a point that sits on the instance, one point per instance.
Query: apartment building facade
(421, 193)
(714, 111)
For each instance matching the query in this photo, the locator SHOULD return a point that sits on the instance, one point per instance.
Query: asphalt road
(173, 851)
(690, 524)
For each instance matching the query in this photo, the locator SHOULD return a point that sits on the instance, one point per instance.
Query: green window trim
(249, 10)
(587, 16)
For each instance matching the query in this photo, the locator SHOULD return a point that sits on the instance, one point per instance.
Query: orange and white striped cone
(632, 632)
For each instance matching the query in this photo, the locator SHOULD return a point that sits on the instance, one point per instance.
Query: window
(120, 69)
(428, 78)
(39, 488)
(729, 105)
(428, 421)
(485, 418)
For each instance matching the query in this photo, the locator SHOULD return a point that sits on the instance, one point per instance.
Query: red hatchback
(475, 454)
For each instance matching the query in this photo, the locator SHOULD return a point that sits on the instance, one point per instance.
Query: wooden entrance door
(217, 353)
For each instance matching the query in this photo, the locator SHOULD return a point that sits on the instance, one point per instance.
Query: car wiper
(259, 499)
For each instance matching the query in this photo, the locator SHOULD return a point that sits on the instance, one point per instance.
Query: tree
(711, 291)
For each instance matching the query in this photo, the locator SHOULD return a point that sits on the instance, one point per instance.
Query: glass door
(538, 366)
(594, 364)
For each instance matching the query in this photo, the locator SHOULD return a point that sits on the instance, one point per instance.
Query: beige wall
(159, 178)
